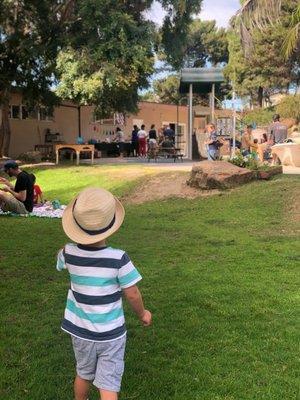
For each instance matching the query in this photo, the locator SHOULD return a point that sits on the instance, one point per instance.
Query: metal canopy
(202, 79)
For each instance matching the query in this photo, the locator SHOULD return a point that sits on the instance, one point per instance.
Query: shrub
(31, 157)
(259, 117)
(289, 107)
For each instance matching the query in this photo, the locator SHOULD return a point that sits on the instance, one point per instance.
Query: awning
(201, 78)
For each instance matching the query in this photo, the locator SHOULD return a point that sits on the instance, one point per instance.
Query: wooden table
(78, 148)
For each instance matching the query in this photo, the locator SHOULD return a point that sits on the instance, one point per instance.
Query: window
(45, 114)
(29, 112)
(14, 112)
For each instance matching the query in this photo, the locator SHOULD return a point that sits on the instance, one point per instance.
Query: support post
(79, 121)
(233, 123)
(77, 157)
(57, 157)
(213, 96)
(190, 135)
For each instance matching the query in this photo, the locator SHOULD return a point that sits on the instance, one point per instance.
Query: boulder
(268, 174)
(219, 175)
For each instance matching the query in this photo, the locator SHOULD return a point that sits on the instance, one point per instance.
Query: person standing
(247, 140)
(19, 198)
(211, 142)
(277, 130)
(277, 135)
(135, 141)
(99, 277)
(142, 135)
(152, 132)
(120, 138)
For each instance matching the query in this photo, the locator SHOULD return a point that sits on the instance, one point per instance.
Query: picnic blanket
(44, 211)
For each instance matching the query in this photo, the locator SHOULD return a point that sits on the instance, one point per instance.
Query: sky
(220, 10)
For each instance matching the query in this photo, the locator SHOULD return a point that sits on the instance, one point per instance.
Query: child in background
(37, 192)
(99, 276)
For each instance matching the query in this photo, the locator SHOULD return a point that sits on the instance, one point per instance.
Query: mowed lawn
(221, 275)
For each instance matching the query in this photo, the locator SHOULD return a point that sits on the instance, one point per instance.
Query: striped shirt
(94, 309)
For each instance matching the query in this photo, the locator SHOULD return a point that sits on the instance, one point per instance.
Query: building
(68, 121)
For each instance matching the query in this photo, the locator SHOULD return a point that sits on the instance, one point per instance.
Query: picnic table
(78, 148)
(174, 153)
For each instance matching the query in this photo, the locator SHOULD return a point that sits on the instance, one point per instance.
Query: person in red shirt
(37, 192)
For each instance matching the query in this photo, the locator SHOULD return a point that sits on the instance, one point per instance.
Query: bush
(33, 157)
(289, 107)
(250, 161)
(259, 117)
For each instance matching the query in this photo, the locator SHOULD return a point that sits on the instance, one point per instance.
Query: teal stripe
(128, 278)
(94, 318)
(92, 281)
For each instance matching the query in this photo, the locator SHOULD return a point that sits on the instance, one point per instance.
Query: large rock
(219, 175)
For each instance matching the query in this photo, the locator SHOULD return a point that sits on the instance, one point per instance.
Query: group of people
(141, 140)
(260, 147)
(248, 144)
(21, 197)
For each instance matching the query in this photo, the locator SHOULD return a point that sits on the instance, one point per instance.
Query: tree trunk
(260, 96)
(4, 128)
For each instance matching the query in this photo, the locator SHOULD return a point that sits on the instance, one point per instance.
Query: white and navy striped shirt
(94, 309)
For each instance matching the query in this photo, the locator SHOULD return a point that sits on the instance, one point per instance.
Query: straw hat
(92, 216)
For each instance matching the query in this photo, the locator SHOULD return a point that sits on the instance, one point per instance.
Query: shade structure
(199, 80)
(202, 79)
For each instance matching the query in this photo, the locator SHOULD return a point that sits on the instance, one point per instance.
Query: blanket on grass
(44, 211)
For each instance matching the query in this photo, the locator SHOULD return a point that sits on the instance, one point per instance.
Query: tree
(175, 29)
(261, 14)
(289, 107)
(111, 55)
(263, 70)
(205, 44)
(30, 34)
(165, 90)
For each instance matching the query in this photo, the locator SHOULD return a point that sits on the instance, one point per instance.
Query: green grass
(221, 275)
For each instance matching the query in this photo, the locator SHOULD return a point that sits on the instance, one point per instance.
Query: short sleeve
(60, 264)
(128, 275)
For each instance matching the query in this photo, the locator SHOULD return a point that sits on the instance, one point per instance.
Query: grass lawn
(221, 275)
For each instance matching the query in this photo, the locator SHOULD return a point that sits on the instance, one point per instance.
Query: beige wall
(29, 132)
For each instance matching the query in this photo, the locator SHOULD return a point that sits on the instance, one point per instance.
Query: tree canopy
(264, 70)
(30, 34)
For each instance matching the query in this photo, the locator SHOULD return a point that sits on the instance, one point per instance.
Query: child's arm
(60, 264)
(135, 300)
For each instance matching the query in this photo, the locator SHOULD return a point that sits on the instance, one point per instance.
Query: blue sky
(220, 10)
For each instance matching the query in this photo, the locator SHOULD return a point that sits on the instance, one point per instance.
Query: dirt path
(166, 185)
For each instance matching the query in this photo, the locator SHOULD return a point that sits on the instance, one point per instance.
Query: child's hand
(146, 318)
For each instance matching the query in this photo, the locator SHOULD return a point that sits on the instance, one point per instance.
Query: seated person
(19, 198)
(167, 143)
(37, 192)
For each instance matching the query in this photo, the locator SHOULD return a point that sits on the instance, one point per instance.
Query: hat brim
(77, 235)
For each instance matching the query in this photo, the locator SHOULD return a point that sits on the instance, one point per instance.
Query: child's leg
(81, 388)
(107, 395)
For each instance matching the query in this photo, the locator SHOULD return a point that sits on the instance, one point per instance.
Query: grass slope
(221, 276)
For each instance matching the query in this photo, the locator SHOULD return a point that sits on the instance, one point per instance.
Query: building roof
(201, 78)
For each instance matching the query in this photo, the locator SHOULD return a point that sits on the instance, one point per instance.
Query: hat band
(97, 232)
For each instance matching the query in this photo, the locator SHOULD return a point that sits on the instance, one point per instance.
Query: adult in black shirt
(20, 200)
(152, 132)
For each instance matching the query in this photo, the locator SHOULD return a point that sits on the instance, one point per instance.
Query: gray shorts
(100, 362)
(10, 203)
